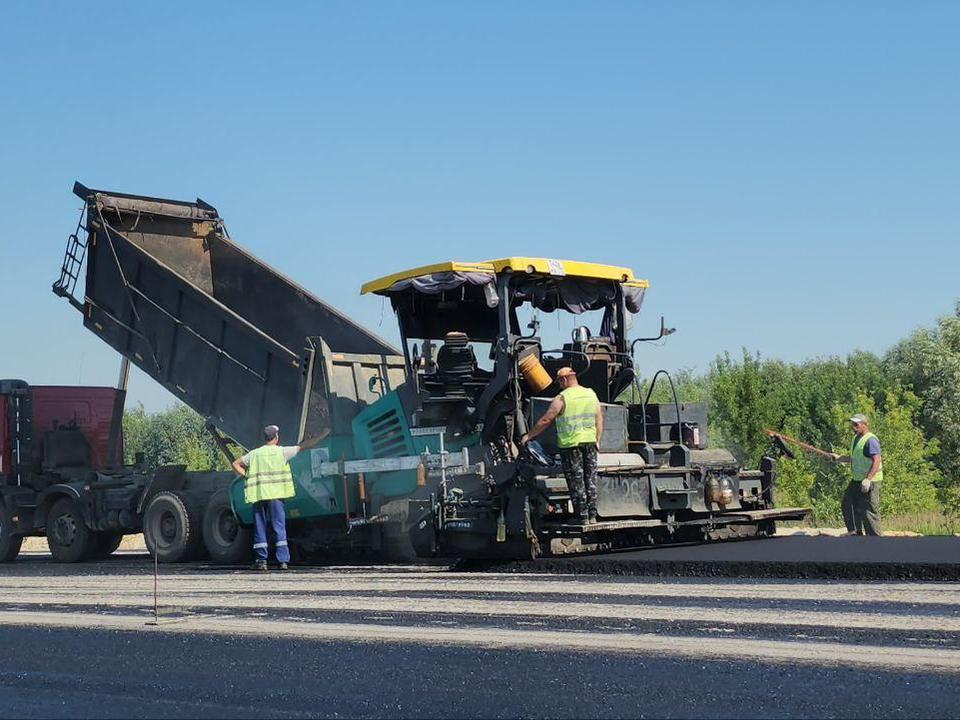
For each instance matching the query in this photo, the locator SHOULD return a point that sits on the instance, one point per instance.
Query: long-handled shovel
(805, 446)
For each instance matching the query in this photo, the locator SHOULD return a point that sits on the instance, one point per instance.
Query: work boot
(282, 566)
(592, 517)
(584, 519)
(259, 565)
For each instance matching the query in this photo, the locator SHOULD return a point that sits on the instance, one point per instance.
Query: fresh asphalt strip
(929, 558)
(856, 558)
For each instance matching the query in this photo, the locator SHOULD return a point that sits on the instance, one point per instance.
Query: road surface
(426, 642)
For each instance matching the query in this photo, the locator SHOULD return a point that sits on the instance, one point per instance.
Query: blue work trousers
(270, 511)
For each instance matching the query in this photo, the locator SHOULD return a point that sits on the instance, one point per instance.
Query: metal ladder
(73, 259)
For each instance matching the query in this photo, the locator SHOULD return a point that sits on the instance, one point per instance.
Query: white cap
(859, 418)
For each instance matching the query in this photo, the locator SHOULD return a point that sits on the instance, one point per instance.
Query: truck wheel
(227, 541)
(68, 536)
(172, 526)
(9, 543)
(106, 544)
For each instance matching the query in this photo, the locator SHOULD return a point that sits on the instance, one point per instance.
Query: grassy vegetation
(925, 523)
(928, 523)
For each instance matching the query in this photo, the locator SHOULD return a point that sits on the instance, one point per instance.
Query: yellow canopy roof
(532, 266)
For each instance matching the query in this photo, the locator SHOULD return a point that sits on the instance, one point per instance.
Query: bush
(172, 436)
(928, 362)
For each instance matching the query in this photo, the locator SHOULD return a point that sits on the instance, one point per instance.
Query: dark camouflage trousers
(580, 469)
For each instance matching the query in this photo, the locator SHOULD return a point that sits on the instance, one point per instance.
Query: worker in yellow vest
(861, 501)
(268, 483)
(579, 421)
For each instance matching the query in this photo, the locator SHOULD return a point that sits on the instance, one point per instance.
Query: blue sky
(786, 175)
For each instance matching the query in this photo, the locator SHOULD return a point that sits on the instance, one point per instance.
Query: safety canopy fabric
(573, 294)
(446, 281)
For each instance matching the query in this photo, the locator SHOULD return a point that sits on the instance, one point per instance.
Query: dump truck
(420, 453)
(62, 475)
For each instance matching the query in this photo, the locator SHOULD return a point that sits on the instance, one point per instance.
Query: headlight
(718, 490)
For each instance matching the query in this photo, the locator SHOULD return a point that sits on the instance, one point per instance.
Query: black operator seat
(457, 373)
(456, 359)
(594, 359)
(453, 389)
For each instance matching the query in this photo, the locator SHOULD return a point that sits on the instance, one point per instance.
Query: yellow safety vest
(860, 464)
(577, 423)
(268, 476)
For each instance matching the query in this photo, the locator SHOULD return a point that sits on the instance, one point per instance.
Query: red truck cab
(55, 445)
(90, 408)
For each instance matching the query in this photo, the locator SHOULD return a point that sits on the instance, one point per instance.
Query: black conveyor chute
(227, 334)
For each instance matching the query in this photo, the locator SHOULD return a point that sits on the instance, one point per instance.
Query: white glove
(865, 486)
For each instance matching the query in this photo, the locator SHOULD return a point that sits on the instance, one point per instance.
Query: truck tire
(68, 536)
(9, 543)
(106, 544)
(226, 540)
(172, 526)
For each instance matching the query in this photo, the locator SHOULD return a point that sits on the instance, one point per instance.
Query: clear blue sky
(787, 175)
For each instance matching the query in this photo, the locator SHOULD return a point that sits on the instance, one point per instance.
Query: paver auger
(420, 455)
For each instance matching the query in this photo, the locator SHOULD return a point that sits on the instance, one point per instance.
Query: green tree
(742, 403)
(796, 479)
(135, 424)
(751, 395)
(690, 388)
(172, 436)
(929, 363)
